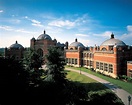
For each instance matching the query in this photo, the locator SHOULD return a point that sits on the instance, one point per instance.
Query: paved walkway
(122, 94)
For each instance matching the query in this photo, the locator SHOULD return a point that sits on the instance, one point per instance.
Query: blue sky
(90, 21)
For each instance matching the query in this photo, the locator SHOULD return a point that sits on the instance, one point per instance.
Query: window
(105, 67)
(90, 55)
(97, 65)
(87, 63)
(110, 68)
(104, 49)
(75, 61)
(101, 66)
(69, 60)
(66, 60)
(72, 61)
(91, 63)
(84, 62)
(84, 54)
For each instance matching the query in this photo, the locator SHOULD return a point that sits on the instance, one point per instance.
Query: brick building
(42, 43)
(73, 53)
(15, 50)
(129, 68)
(110, 58)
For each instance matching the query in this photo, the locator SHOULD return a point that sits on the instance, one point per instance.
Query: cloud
(104, 34)
(62, 23)
(72, 21)
(9, 28)
(34, 22)
(128, 34)
(129, 28)
(23, 40)
(83, 35)
(1, 11)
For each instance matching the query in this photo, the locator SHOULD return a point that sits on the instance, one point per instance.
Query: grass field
(121, 84)
(88, 83)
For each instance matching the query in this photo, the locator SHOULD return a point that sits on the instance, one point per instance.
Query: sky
(90, 21)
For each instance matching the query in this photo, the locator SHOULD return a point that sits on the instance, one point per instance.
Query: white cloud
(8, 28)
(17, 21)
(23, 40)
(62, 23)
(34, 22)
(83, 35)
(129, 28)
(1, 11)
(71, 21)
(128, 34)
(104, 34)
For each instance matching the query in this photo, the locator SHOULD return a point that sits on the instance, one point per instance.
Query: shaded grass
(121, 84)
(89, 83)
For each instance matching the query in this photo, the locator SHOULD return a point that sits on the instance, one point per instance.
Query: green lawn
(88, 83)
(121, 84)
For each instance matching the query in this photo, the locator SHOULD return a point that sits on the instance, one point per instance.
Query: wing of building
(110, 58)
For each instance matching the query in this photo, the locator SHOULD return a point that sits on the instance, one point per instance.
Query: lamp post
(80, 69)
(129, 99)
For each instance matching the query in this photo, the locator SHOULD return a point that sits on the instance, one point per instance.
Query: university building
(110, 58)
(15, 50)
(113, 57)
(41, 45)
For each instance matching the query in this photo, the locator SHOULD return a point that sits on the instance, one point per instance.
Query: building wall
(112, 61)
(73, 57)
(17, 53)
(42, 45)
(129, 68)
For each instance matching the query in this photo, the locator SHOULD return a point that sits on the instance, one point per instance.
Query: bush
(104, 98)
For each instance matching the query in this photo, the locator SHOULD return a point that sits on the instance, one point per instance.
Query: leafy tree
(32, 61)
(13, 81)
(55, 62)
(104, 98)
(58, 88)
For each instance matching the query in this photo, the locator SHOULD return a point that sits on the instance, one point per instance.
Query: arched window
(71, 48)
(104, 49)
(40, 51)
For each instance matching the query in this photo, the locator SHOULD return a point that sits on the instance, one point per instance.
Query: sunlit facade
(110, 58)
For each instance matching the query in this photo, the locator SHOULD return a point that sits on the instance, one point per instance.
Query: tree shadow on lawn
(94, 86)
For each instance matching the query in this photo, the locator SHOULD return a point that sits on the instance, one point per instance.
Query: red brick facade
(110, 58)
(42, 44)
(15, 50)
(129, 68)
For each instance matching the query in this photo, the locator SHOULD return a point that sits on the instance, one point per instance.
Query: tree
(32, 61)
(13, 81)
(64, 92)
(55, 62)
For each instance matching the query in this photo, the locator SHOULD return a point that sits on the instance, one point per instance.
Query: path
(122, 94)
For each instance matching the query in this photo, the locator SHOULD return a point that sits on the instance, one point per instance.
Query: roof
(16, 45)
(44, 36)
(76, 44)
(112, 41)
